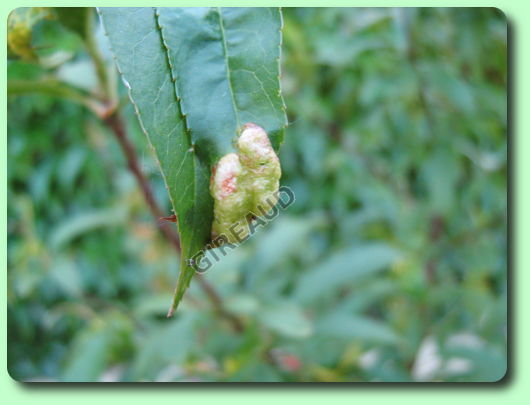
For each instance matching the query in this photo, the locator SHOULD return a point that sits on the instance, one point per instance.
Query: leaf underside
(195, 77)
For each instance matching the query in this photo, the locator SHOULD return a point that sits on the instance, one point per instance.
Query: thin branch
(412, 58)
(218, 304)
(95, 54)
(55, 88)
(116, 124)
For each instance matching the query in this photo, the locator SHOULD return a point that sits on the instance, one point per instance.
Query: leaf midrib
(227, 65)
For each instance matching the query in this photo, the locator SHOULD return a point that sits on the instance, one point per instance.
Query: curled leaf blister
(244, 184)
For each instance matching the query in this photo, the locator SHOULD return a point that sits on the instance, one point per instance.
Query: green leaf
(282, 238)
(89, 356)
(195, 77)
(74, 18)
(53, 43)
(344, 267)
(77, 225)
(226, 65)
(346, 326)
(169, 344)
(53, 88)
(97, 346)
(287, 319)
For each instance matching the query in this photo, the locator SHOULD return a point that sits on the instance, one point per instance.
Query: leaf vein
(227, 64)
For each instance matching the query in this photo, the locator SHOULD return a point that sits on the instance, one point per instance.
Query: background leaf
(74, 18)
(348, 327)
(344, 267)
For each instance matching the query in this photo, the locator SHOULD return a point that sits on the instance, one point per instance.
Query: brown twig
(218, 304)
(115, 123)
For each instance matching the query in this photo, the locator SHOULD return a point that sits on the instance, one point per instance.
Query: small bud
(19, 30)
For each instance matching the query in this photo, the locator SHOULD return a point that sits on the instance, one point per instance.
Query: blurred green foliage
(390, 266)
